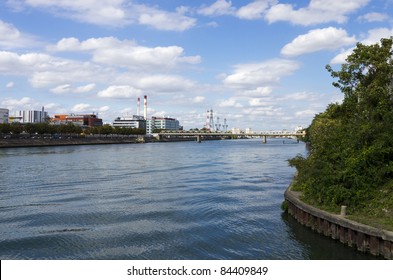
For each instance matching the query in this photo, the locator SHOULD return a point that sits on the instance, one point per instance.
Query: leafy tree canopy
(350, 161)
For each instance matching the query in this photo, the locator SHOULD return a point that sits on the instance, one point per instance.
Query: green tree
(351, 144)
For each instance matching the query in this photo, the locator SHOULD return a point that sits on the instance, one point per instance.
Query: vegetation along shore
(350, 160)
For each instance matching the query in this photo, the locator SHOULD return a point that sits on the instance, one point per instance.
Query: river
(181, 200)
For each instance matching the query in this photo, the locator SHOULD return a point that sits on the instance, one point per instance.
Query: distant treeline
(45, 128)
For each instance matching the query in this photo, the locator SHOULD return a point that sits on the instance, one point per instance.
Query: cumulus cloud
(306, 113)
(25, 103)
(44, 70)
(120, 91)
(218, 8)
(111, 13)
(11, 37)
(251, 76)
(255, 10)
(318, 39)
(373, 37)
(111, 51)
(66, 88)
(374, 17)
(81, 108)
(10, 85)
(163, 20)
(230, 102)
(197, 99)
(258, 102)
(162, 83)
(318, 11)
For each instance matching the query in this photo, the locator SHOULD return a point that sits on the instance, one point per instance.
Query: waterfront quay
(364, 238)
(27, 140)
(31, 140)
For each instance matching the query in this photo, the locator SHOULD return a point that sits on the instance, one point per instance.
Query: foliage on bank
(46, 128)
(351, 144)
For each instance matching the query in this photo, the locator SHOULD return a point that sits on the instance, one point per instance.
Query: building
(249, 130)
(156, 123)
(29, 116)
(130, 122)
(4, 114)
(83, 120)
(236, 130)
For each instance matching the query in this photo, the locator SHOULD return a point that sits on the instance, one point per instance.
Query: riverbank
(41, 142)
(364, 238)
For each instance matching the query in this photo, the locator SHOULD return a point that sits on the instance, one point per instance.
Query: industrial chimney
(145, 107)
(139, 107)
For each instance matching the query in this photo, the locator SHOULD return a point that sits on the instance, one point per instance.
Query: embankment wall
(365, 238)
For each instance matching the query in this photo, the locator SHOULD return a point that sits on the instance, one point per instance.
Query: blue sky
(259, 64)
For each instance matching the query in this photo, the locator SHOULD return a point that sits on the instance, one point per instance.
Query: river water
(183, 200)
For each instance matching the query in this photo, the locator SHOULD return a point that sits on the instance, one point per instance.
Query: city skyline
(258, 64)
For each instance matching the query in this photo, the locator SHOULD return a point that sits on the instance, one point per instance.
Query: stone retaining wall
(376, 241)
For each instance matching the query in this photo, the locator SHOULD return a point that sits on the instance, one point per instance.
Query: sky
(258, 64)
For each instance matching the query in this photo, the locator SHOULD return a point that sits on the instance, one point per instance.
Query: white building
(249, 130)
(236, 130)
(130, 122)
(4, 114)
(30, 116)
(162, 124)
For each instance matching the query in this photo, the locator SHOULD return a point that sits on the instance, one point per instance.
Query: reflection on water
(213, 200)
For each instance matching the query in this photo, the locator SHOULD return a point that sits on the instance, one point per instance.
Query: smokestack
(139, 107)
(145, 107)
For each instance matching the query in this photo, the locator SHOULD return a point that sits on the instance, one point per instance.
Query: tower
(139, 107)
(145, 107)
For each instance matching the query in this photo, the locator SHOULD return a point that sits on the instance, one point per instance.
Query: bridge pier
(198, 138)
(264, 139)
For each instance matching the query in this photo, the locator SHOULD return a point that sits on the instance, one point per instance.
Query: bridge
(206, 135)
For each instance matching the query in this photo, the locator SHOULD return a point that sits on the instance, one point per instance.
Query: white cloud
(373, 37)
(306, 113)
(163, 20)
(25, 103)
(255, 10)
(342, 56)
(317, 40)
(198, 99)
(162, 83)
(104, 109)
(44, 70)
(301, 96)
(81, 108)
(111, 13)
(119, 91)
(85, 88)
(231, 102)
(258, 102)
(66, 88)
(218, 8)
(111, 51)
(374, 17)
(10, 85)
(100, 12)
(251, 76)
(61, 89)
(257, 92)
(318, 11)
(11, 37)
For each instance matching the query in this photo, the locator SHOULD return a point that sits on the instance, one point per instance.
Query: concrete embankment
(41, 142)
(376, 241)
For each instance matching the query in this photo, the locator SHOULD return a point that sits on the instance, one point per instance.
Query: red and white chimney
(145, 107)
(139, 107)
